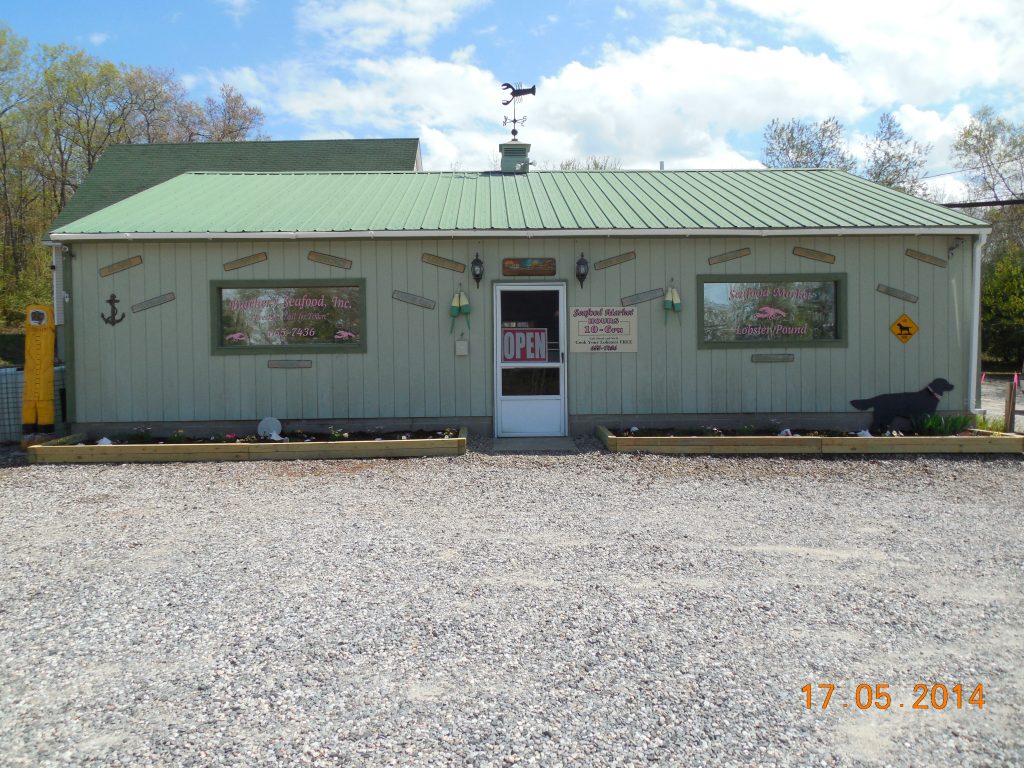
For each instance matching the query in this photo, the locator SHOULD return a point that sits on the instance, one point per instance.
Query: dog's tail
(862, 405)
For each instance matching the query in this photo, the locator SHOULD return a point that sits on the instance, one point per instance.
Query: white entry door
(529, 360)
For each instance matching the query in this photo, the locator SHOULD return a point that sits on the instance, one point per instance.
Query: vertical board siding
(156, 365)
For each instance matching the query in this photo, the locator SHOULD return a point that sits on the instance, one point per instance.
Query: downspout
(57, 294)
(972, 392)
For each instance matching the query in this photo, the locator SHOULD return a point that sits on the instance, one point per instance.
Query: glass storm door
(529, 366)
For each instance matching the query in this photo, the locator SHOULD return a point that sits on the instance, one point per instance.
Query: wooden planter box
(981, 442)
(70, 450)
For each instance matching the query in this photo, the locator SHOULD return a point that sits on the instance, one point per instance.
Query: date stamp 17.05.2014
(930, 696)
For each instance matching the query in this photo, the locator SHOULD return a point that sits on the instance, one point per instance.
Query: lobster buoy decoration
(460, 306)
(672, 302)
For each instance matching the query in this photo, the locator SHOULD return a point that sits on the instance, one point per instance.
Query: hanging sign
(524, 345)
(904, 328)
(603, 329)
(528, 267)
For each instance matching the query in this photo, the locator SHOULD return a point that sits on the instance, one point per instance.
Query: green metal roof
(127, 169)
(560, 202)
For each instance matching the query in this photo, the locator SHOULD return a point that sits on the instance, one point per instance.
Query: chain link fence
(12, 381)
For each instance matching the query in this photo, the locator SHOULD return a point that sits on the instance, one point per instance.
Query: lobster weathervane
(514, 98)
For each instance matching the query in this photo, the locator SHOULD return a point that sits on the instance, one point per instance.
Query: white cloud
(411, 95)
(680, 100)
(366, 25)
(642, 106)
(917, 50)
(647, 105)
(236, 9)
(246, 80)
(931, 127)
(464, 55)
(948, 189)
(98, 38)
(623, 13)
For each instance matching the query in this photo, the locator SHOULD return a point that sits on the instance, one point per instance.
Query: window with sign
(771, 310)
(296, 315)
(530, 344)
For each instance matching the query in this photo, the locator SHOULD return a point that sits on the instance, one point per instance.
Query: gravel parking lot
(586, 609)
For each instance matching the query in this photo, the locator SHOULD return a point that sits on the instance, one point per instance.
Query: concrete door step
(533, 445)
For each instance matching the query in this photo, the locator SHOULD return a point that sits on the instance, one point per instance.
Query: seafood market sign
(298, 314)
(602, 329)
(770, 311)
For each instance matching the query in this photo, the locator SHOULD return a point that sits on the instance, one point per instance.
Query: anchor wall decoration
(113, 301)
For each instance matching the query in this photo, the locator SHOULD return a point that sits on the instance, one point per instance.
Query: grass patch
(990, 423)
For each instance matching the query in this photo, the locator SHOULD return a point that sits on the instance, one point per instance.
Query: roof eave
(430, 234)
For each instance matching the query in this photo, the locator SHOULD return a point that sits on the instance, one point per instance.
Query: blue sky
(690, 83)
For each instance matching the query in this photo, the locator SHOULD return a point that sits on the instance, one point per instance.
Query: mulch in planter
(715, 432)
(143, 437)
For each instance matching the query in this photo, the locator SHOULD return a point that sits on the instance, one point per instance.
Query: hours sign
(603, 329)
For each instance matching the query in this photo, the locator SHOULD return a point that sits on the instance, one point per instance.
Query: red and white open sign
(524, 345)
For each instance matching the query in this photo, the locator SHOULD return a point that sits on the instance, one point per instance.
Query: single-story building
(516, 302)
(124, 170)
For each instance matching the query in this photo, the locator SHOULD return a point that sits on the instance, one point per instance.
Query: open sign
(524, 345)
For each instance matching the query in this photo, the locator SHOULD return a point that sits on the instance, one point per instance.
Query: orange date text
(877, 696)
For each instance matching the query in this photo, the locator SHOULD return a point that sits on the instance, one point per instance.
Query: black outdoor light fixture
(476, 269)
(582, 269)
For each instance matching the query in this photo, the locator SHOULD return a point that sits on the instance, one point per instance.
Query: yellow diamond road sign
(904, 328)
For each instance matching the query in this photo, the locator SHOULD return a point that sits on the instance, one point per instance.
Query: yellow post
(37, 395)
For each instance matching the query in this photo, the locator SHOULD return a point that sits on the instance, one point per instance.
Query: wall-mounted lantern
(582, 269)
(476, 269)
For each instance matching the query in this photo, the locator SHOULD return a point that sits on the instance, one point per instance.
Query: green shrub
(939, 424)
(1002, 307)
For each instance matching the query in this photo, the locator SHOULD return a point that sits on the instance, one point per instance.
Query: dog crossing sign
(904, 328)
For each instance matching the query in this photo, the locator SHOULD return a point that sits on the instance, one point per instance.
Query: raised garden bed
(75, 450)
(973, 441)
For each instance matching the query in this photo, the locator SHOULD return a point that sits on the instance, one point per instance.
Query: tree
(894, 160)
(1002, 306)
(230, 118)
(12, 53)
(16, 186)
(990, 150)
(60, 109)
(591, 163)
(158, 98)
(798, 144)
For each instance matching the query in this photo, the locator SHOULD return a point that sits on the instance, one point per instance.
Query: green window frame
(773, 283)
(219, 345)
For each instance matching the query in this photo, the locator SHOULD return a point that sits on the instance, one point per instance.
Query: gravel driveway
(587, 609)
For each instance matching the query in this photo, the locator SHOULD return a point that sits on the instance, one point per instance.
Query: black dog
(905, 404)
